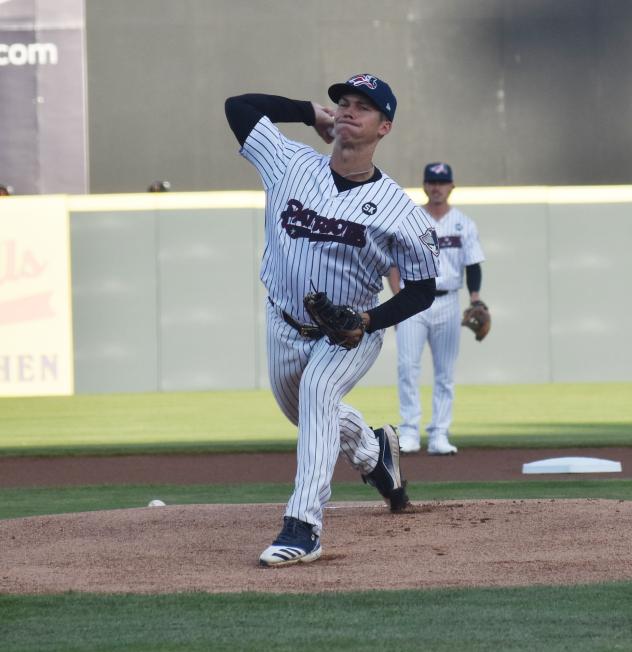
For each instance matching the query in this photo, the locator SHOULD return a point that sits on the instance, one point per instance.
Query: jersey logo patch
(429, 238)
(369, 208)
(450, 242)
(300, 222)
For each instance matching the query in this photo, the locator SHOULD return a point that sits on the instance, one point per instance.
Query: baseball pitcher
(334, 225)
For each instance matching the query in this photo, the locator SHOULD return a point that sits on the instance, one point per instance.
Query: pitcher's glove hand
(342, 325)
(477, 318)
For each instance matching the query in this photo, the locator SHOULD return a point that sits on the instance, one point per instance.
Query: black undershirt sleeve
(244, 111)
(414, 297)
(473, 277)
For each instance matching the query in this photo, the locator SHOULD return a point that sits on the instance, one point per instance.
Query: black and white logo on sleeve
(430, 240)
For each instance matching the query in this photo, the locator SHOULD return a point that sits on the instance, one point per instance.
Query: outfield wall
(166, 297)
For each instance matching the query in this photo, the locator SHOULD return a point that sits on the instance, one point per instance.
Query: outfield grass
(581, 618)
(552, 415)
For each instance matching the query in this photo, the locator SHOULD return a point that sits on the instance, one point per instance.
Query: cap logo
(363, 80)
(439, 168)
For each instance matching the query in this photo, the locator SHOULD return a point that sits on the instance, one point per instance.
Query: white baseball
(156, 503)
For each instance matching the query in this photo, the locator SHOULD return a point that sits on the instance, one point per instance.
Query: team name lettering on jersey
(301, 222)
(450, 242)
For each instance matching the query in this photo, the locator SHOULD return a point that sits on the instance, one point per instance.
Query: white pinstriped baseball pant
(440, 326)
(309, 378)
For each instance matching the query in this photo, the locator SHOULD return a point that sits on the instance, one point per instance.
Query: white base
(572, 465)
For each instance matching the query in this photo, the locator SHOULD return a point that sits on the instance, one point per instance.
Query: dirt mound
(214, 548)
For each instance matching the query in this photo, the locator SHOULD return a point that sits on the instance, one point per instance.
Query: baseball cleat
(439, 445)
(409, 444)
(386, 477)
(296, 542)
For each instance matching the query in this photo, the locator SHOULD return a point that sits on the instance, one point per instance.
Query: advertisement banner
(43, 146)
(36, 357)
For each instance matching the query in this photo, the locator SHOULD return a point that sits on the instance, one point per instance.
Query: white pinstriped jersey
(318, 238)
(459, 245)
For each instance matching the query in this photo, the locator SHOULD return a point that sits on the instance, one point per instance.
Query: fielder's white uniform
(341, 243)
(440, 326)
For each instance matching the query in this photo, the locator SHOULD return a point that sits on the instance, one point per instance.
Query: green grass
(551, 415)
(591, 618)
(582, 618)
(35, 501)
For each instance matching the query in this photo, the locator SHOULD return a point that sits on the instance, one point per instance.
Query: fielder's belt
(308, 331)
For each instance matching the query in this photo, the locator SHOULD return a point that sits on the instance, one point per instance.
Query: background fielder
(333, 224)
(440, 325)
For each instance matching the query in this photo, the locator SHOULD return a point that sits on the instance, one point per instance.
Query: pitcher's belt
(309, 331)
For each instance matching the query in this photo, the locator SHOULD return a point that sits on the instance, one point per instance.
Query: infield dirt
(470, 465)
(215, 548)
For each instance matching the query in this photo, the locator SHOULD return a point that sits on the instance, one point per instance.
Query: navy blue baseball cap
(440, 172)
(378, 91)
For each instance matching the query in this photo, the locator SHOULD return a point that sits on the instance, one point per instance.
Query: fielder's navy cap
(378, 91)
(441, 172)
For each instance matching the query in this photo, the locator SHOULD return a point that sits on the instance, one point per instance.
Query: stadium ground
(475, 464)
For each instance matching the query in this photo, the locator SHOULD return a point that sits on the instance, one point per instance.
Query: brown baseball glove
(335, 321)
(478, 319)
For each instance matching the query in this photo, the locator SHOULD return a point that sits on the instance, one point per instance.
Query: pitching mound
(215, 548)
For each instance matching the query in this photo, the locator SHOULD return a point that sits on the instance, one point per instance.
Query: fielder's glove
(478, 319)
(336, 322)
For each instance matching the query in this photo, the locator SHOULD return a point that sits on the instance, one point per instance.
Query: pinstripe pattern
(341, 243)
(460, 246)
(348, 274)
(309, 378)
(440, 327)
